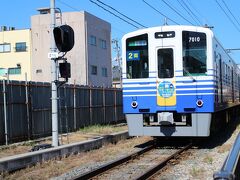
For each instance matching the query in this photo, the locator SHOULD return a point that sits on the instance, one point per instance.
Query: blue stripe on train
(196, 86)
(139, 88)
(185, 104)
(194, 81)
(196, 91)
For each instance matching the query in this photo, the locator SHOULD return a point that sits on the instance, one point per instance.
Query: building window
(15, 70)
(103, 44)
(93, 40)
(104, 72)
(39, 71)
(3, 71)
(21, 47)
(94, 70)
(5, 47)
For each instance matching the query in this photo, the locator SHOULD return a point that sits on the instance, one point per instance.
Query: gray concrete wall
(81, 57)
(16, 162)
(96, 55)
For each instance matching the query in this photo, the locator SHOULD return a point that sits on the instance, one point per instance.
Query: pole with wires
(54, 79)
(117, 48)
(5, 112)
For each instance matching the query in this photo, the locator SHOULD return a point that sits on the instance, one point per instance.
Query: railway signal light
(65, 69)
(64, 38)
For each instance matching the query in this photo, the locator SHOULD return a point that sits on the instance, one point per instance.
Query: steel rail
(230, 168)
(162, 164)
(113, 164)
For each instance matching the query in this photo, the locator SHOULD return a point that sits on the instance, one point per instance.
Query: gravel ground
(136, 167)
(75, 164)
(203, 161)
(198, 163)
(83, 134)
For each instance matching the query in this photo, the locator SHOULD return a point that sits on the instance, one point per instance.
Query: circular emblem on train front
(166, 89)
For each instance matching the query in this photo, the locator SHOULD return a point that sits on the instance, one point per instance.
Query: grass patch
(195, 172)
(81, 135)
(208, 159)
(102, 129)
(56, 167)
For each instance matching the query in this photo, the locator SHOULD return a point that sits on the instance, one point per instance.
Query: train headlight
(134, 104)
(199, 103)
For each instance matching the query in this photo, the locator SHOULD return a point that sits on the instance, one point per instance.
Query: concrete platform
(13, 163)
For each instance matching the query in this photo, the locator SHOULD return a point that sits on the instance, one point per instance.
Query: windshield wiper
(189, 74)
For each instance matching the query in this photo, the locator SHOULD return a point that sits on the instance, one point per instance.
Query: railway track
(147, 161)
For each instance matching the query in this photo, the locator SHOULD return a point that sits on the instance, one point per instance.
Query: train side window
(165, 63)
(215, 56)
(194, 53)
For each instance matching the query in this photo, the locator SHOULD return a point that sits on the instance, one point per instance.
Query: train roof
(170, 28)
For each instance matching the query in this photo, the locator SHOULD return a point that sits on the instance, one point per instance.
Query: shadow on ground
(216, 139)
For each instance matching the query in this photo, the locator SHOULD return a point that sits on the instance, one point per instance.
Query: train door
(166, 85)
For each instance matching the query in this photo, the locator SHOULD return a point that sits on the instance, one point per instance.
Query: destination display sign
(166, 34)
(133, 55)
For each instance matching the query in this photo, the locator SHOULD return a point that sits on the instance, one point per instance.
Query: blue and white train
(177, 81)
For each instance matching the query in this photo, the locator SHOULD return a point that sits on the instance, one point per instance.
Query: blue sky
(17, 13)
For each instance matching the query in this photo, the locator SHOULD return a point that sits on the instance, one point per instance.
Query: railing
(231, 167)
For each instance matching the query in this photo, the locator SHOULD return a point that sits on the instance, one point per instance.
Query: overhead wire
(73, 8)
(189, 11)
(177, 12)
(225, 4)
(227, 15)
(194, 8)
(160, 12)
(121, 13)
(202, 17)
(114, 14)
(103, 9)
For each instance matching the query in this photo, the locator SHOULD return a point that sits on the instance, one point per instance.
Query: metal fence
(28, 108)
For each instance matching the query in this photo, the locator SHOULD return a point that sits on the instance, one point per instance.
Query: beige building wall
(82, 57)
(13, 56)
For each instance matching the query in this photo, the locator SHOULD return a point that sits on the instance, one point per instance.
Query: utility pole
(117, 48)
(165, 21)
(54, 78)
(5, 112)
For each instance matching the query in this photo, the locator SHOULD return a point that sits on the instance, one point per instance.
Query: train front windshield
(194, 53)
(137, 57)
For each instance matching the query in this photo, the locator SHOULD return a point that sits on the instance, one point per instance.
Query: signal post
(54, 79)
(62, 38)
